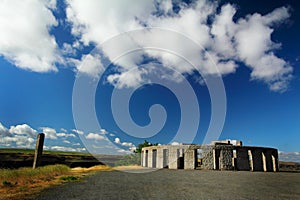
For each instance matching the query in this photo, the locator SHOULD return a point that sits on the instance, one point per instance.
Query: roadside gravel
(179, 184)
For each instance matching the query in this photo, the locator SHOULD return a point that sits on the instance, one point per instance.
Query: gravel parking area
(180, 184)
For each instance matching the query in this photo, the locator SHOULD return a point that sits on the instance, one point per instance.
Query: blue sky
(104, 76)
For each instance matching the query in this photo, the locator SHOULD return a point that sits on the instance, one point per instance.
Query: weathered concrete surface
(160, 158)
(150, 157)
(226, 155)
(242, 157)
(190, 159)
(257, 160)
(173, 158)
(220, 156)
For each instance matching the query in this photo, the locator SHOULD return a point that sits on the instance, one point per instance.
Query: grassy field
(26, 183)
(22, 182)
(15, 158)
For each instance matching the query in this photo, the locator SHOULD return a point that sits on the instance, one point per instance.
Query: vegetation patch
(69, 178)
(23, 182)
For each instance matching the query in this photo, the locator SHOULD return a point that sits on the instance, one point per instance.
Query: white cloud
(127, 79)
(25, 40)
(66, 141)
(89, 64)
(63, 130)
(225, 41)
(19, 136)
(49, 133)
(23, 129)
(175, 143)
(130, 146)
(289, 156)
(63, 148)
(103, 131)
(78, 131)
(117, 140)
(4, 131)
(61, 134)
(95, 136)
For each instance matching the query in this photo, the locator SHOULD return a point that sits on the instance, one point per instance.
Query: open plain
(179, 184)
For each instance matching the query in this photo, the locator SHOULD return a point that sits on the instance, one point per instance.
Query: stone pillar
(275, 161)
(173, 157)
(226, 156)
(38, 150)
(190, 159)
(264, 161)
(250, 160)
(269, 160)
(150, 157)
(160, 158)
(257, 159)
(142, 158)
(242, 159)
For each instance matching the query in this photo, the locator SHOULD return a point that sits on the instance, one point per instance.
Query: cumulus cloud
(23, 129)
(4, 131)
(24, 136)
(175, 143)
(25, 40)
(64, 148)
(289, 156)
(89, 64)
(224, 40)
(95, 136)
(21, 136)
(78, 131)
(49, 132)
(128, 145)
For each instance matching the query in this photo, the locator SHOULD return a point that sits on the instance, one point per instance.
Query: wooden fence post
(38, 150)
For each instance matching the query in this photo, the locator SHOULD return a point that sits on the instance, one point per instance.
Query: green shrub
(69, 178)
(132, 159)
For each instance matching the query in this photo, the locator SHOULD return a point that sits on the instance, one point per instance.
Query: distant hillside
(289, 166)
(15, 158)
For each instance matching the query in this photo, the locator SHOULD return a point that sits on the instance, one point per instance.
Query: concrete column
(190, 159)
(160, 158)
(268, 160)
(226, 156)
(257, 159)
(173, 157)
(142, 158)
(150, 157)
(264, 161)
(275, 161)
(242, 159)
(250, 160)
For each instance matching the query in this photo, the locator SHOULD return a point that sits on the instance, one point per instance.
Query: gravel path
(180, 184)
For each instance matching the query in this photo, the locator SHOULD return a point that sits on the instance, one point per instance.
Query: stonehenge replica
(219, 155)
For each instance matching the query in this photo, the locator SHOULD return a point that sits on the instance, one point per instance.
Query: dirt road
(180, 184)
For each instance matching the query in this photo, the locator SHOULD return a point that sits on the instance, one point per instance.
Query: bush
(69, 178)
(132, 159)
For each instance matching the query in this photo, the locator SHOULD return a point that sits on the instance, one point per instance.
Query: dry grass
(20, 183)
(91, 169)
(129, 167)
